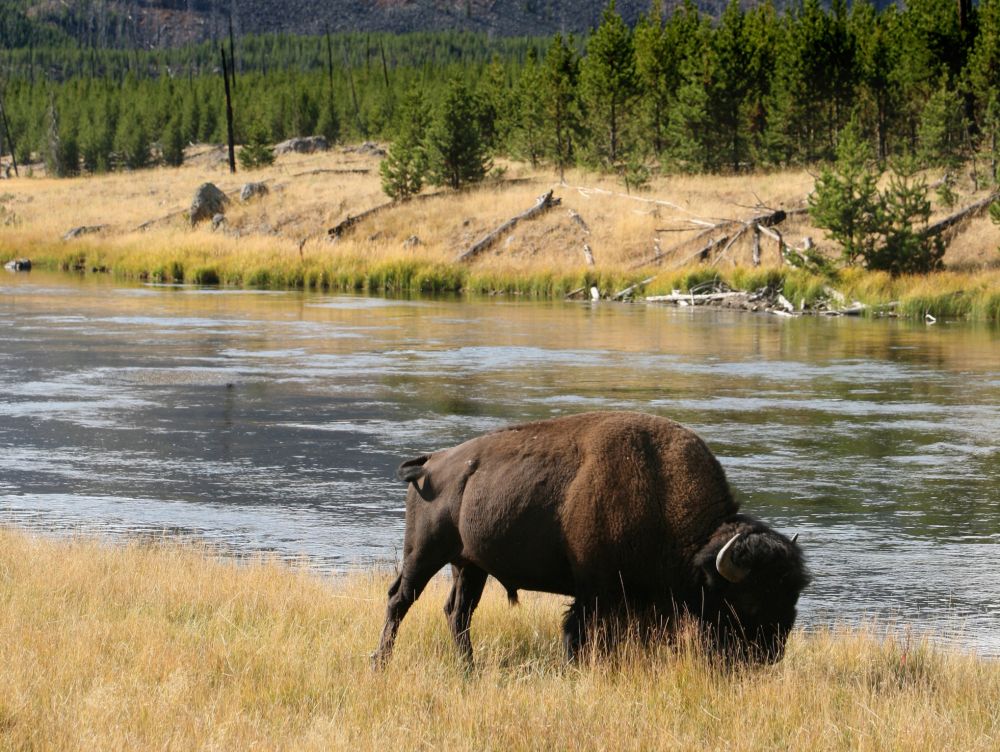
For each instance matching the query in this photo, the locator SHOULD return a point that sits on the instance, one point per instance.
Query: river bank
(163, 645)
(134, 226)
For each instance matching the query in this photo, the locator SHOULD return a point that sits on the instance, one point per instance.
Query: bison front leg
(462, 601)
(406, 588)
(574, 630)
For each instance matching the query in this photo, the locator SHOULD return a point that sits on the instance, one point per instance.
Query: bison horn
(795, 537)
(724, 563)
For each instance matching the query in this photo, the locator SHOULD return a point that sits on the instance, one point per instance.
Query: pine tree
(97, 136)
(525, 129)
(983, 76)
(690, 124)
(560, 74)
(305, 114)
(933, 47)
(728, 137)
(404, 168)
(456, 151)
(328, 124)
(608, 88)
(656, 72)
(904, 249)
(256, 152)
(845, 199)
(132, 143)
(881, 228)
(172, 142)
(496, 105)
(877, 52)
(943, 129)
(62, 156)
(812, 85)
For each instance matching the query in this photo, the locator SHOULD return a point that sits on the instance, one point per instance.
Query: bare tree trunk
(229, 113)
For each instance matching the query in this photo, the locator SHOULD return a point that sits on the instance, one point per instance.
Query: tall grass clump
(803, 288)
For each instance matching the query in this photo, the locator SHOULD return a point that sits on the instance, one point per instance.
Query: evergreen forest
(680, 92)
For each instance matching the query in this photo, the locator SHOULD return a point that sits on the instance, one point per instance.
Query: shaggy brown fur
(624, 512)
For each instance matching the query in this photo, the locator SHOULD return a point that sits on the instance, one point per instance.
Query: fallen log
(628, 290)
(346, 224)
(585, 191)
(694, 299)
(544, 202)
(785, 303)
(332, 171)
(83, 230)
(954, 219)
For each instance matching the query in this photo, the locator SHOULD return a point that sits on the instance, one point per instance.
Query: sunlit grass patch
(153, 645)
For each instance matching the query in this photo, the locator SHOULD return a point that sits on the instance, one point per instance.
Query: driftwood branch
(770, 219)
(332, 171)
(628, 290)
(695, 299)
(351, 220)
(963, 214)
(585, 192)
(544, 202)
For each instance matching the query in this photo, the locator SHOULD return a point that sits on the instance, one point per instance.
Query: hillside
(157, 23)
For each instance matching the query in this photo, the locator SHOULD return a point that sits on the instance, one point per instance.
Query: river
(273, 421)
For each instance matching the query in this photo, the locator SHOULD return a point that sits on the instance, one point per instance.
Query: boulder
(368, 149)
(208, 201)
(252, 190)
(218, 221)
(306, 145)
(18, 265)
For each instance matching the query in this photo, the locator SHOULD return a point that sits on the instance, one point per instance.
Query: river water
(273, 421)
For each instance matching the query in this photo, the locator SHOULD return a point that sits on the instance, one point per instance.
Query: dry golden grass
(280, 240)
(143, 646)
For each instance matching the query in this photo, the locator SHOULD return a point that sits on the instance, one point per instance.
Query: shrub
(256, 152)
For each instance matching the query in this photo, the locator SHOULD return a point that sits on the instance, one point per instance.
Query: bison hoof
(377, 660)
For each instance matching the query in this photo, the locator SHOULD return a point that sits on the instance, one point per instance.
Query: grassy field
(280, 240)
(161, 645)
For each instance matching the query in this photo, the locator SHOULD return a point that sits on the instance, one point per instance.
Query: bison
(628, 514)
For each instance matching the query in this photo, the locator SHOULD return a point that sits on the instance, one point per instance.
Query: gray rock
(306, 145)
(18, 265)
(208, 201)
(411, 242)
(368, 148)
(218, 221)
(252, 190)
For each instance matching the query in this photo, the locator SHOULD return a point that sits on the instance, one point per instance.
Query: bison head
(751, 577)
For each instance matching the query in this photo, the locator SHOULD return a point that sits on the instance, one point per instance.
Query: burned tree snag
(229, 113)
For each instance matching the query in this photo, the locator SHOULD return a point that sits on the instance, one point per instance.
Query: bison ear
(412, 470)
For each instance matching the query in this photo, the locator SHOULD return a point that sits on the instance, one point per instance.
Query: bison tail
(512, 596)
(412, 470)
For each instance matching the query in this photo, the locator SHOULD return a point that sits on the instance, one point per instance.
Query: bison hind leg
(413, 577)
(466, 590)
